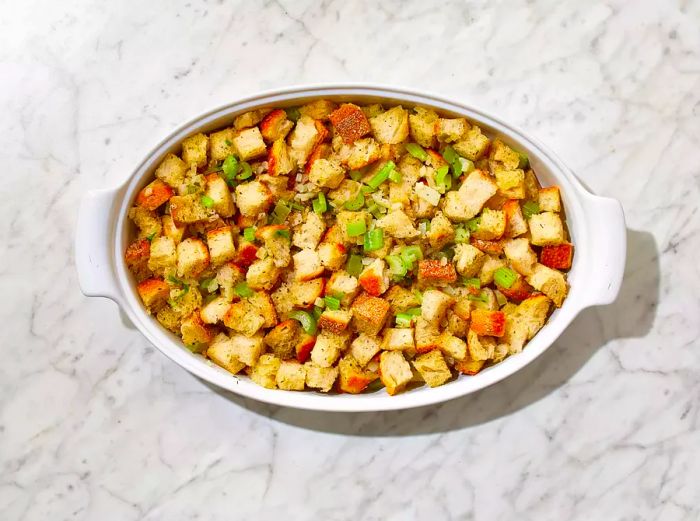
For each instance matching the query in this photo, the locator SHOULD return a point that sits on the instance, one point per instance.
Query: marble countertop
(96, 424)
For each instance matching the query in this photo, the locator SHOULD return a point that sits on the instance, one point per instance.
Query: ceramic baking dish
(596, 225)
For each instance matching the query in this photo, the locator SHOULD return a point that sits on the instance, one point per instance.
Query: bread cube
(221, 144)
(401, 299)
(516, 224)
(427, 336)
(452, 346)
(350, 122)
(362, 153)
(291, 376)
(277, 243)
(456, 325)
(153, 292)
(304, 293)
(247, 253)
(303, 139)
(220, 243)
(194, 150)
(435, 305)
(519, 291)
(336, 321)
(492, 225)
(470, 366)
(263, 274)
(227, 277)
(489, 267)
(432, 368)
(192, 258)
(262, 302)
(264, 373)
(221, 353)
(428, 198)
(364, 348)
(558, 257)
(549, 199)
(332, 255)
(398, 339)
(250, 118)
(550, 282)
(275, 125)
(328, 173)
(185, 299)
(505, 155)
(511, 183)
(163, 255)
(342, 283)
(488, 323)
(304, 347)
(468, 260)
(465, 203)
(423, 126)
(173, 229)
(321, 378)
(154, 194)
(309, 234)
(546, 229)
(395, 372)
(214, 311)
(369, 314)
(147, 221)
(249, 144)
(451, 130)
(172, 170)
(279, 159)
(353, 378)
(217, 190)
(328, 348)
(480, 347)
(441, 231)
(520, 255)
(474, 145)
(195, 332)
(318, 109)
(253, 198)
(136, 258)
(186, 209)
(307, 265)
(391, 126)
(374, 278)
(283, 339)
(435, 273)
(525, 321)
(397, 224)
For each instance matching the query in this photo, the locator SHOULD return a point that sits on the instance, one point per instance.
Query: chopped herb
(150, 237)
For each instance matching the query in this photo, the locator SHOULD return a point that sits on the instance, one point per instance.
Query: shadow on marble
(630, 316)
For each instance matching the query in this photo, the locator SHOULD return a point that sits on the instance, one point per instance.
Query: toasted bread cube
(263, 274)
(218, 191)
(519, 291)
(172, 170)
(303, 294)
(364, 348)
(262, 302)
(277, 243)
(136, 257)
(435, 305)
(247, 253)
(275, 125)
(492, 225)
(172, 229)
(362, 153)
(346, 191)
(321, 378)
(253, 198)
(451, 130)
(283, 339)
(353, 378)
(546, 229)
(463, 306)
(468, 260)
(318, 109)
(328, 348)
(432, 368)
(423, 126)
(163, 255)
(214, 311)
(250, 118)
(550, 282)
(369, 314)
(489, 247)
(520, 255)
(222, 354)
(398, 339)
(343, 219)
(249, 144)
(504, 154)
(436, 273)
(549, 199)
(426, 198)
(192, 258)
(243, 317)
(303, 139)
(327, 173)
(304, 347)
(391, 126)
(147, 222)
(511, 183)
(332, 255)
(395, 372)
(220, 243)
(465, 203)
(307, 265)
(154, 194)
(350, 122)
(456, 325)
(194, 150)
(227, 277)
(441, 231)
(195, 332)
(474, 145)
(488, 323)
(291, 376)
(342, 283)
(427, 336)
(264, 372)
(374, 278)
(309, 234)
(480, 347)
(516, 224)
(320, 151)
(279, 159)
(221, 144)
(282, 299)
(186, 209)
(397, 224)
(452, 346)
(558, 257)
(525, 321)
(401, 299)
(153, 292)
(469, 366)
(336, 321)
(489, 267)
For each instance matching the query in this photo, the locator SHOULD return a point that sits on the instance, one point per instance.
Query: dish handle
(608, 240)
(94, 245)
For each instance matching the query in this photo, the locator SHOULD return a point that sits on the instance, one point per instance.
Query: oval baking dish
(596, 226)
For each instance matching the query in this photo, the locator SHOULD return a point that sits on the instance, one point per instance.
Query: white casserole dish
(596, 225)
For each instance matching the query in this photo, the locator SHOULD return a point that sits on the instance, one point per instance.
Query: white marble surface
(96, 425)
